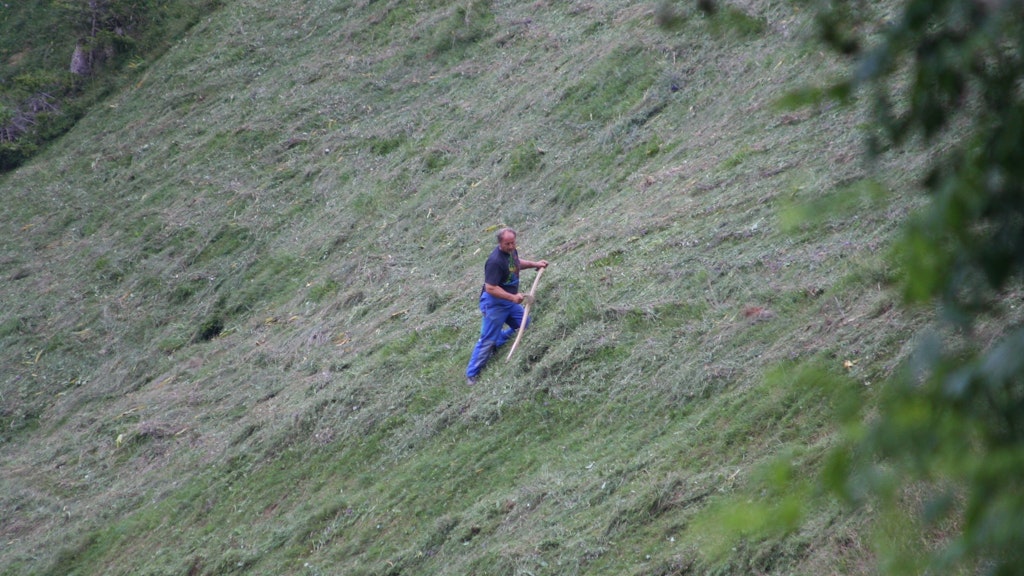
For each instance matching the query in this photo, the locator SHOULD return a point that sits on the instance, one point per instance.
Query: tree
(103, 27)
(949, 73)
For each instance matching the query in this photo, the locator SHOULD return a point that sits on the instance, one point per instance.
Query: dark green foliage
(45, 100)
(209, 328)
(20, 21)
(953, 421)
(13, 155)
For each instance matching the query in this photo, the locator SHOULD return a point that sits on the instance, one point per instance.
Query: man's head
(506, 240)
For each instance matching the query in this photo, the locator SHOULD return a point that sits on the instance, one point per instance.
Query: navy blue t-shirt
(503, 270)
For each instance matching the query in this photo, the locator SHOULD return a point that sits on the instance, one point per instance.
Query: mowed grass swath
(240, 294)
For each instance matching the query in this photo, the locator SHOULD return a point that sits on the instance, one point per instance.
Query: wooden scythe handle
(526, 315)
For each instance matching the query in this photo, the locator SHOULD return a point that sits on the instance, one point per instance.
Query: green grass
(264, 281)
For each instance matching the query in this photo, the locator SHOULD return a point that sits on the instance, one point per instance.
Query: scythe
(526, 313)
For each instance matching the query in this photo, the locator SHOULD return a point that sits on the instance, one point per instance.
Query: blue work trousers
(497, 313)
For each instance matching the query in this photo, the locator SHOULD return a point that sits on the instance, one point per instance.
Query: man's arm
(524, 264)
(499, 292)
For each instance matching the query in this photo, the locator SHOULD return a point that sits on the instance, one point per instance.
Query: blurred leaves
(947, 74)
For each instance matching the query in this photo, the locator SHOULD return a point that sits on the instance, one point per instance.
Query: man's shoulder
(496, 256)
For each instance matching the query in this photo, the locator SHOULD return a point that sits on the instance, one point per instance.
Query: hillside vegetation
(239, 296)
(60, 57)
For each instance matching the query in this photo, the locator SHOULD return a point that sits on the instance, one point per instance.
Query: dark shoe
(470, 380)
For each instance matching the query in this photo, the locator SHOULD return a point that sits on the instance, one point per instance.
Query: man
(500, 300)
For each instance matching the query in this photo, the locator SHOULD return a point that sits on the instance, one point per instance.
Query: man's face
(507, 244)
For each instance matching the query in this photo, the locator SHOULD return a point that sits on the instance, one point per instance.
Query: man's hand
(517, 298)
(542, 264)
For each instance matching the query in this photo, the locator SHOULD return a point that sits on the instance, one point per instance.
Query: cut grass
(265, 282)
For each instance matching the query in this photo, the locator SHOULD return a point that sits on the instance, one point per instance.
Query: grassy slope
(239, 298)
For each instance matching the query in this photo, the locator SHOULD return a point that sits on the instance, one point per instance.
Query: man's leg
(514, 321)
(490, 333)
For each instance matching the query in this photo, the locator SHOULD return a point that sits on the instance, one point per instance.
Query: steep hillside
(239, 298)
